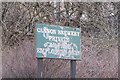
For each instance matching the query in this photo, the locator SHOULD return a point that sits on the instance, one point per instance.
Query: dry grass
(98, 61)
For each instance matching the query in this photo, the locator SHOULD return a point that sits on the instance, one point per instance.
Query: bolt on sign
(60, 42)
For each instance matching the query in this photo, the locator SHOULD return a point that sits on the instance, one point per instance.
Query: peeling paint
(57, 42)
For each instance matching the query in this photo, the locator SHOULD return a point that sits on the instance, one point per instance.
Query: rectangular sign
(60, 42)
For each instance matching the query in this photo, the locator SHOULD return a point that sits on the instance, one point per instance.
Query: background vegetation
(99, 27)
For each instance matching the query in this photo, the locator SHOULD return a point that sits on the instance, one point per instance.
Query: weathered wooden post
(40, 68)
(73, 68)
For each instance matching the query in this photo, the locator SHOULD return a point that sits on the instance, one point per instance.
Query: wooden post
(73, 68)
(40, 68)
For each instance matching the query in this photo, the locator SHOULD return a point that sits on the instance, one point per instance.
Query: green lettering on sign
(61, 42)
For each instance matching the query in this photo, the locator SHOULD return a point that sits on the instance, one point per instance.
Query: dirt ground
(99, 60)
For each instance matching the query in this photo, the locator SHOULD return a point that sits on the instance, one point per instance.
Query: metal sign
(61, 42)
